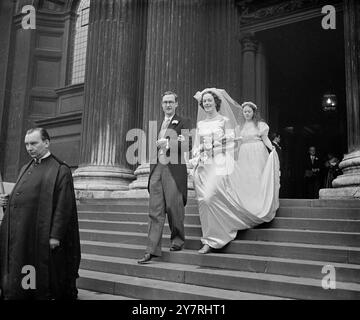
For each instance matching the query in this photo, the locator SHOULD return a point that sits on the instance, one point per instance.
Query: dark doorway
(304, 63)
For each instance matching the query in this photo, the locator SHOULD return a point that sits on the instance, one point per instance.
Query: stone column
(254, 73)
(111, 84)
(19, 73)
(249, 48)
(347, 185)
(6, 16)
(173, 62)
(262, 97)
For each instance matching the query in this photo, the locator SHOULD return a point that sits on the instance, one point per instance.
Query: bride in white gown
(236, 179)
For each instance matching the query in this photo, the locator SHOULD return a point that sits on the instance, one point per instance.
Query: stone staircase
(282, 259)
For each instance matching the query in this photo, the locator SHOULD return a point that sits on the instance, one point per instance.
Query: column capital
(249, 43)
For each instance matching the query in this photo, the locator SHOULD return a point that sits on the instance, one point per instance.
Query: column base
(138, 188)
(141, 193)
(349, 193)
(141, 173)
(347, 185)
(100, 181)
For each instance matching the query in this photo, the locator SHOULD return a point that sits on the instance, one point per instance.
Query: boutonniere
(316, 158)
(174, 122)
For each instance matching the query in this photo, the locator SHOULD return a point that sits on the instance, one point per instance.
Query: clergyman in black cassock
(40, 208)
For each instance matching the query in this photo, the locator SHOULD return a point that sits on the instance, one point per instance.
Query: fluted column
(111, 84)
(262, 97)
(6, 15)
(254, 73)
(173, 62)
(249, 50)
(347, 185)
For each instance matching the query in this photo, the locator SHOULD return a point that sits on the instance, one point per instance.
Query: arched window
(80, 42)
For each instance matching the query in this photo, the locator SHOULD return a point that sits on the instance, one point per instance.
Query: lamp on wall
(329, 102)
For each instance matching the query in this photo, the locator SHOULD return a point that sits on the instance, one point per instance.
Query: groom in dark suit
(168, 180)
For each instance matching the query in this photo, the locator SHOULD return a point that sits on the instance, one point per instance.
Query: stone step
(341, 254)
(91, 295)
(195, 229)
(330, 203)
(193, 208)
(131, 201)
(319, 212)
(129, 226)
(150, 289)
(141, 213)
(274, 235)
(193, 218)
(129, 216)
(242, 262)
(311, 203)
(268, 284)
(301, 236)
(130, 208)
(340, 225)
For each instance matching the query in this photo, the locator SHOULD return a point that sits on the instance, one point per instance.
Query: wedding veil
(223, 162)
(229, 108)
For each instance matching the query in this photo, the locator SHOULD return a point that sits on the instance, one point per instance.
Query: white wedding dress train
(241, 198)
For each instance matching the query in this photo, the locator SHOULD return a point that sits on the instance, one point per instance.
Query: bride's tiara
(249, 103)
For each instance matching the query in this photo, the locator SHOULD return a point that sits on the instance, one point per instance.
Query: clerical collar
(46, 155)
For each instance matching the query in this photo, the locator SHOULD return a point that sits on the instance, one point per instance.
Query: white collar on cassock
(46, 155)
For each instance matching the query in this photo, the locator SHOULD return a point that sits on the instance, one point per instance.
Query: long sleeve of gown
(63, 204)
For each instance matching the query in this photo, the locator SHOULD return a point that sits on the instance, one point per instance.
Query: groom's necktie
(162, 132)
(164, 126)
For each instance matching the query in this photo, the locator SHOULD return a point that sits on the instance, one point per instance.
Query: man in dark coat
(168, 179)
(39, 235)
(312, 176)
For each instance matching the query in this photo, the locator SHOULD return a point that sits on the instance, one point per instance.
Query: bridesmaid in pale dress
(232, 195)
(255, 182)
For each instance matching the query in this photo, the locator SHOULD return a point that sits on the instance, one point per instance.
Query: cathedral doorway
(305, 63)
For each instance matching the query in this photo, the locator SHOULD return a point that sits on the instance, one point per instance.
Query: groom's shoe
(174, 247)
(146, 258)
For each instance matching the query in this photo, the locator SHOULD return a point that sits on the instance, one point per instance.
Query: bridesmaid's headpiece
(249, 103)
